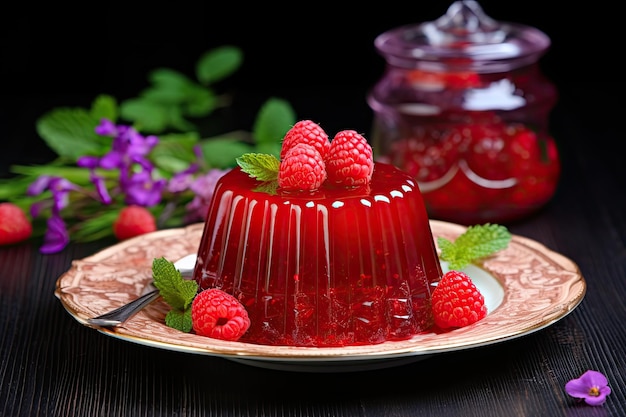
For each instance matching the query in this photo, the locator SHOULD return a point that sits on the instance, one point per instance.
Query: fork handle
(120, 315)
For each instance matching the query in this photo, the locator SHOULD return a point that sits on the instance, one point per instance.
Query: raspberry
(219, 315)
(456, 301)
(350, 159)
(133, 221)
(305, 131)
(302, 168)
(14, 225)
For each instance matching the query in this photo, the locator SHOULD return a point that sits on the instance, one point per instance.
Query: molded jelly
(332, 267)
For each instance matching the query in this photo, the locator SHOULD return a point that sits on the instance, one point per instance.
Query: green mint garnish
(263, 167)
(176, 291)
(476, 242)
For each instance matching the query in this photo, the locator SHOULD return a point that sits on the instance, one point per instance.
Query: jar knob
(464, 22)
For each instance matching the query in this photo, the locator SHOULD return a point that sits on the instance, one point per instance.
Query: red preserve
(464, 108)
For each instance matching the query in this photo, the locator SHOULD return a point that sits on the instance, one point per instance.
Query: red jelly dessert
(333, 266)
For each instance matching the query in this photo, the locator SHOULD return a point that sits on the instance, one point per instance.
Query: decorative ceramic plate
(526, 286)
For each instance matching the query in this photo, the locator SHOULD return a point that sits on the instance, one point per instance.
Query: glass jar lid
(464, 38)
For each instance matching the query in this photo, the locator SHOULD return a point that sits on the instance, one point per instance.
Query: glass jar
(464, 108)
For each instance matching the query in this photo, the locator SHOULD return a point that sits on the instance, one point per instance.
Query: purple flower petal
(39, 185)
(36, 208)
(112, 160)
(90, 162)
(106, 128)
(142, 190)
(101, 189)
(592, 386)
(56, 237)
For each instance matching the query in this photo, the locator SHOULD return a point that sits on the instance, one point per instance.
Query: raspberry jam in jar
(463, 107)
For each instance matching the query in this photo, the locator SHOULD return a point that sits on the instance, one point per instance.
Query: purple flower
(592, 387)
(101, 188)
(128, 146)
(181, 181)
(58, 186)
(56, 237)
(87, 161)
(142, 190)
(106, 128)
(203, 188)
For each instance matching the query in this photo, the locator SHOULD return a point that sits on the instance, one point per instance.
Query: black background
(320, 58)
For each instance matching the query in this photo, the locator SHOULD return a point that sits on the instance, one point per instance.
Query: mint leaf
(176, 291)
(179, 320)
(263, 167)
(268, 187)
(476, 242)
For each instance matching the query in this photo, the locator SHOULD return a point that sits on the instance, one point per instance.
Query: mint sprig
(477, 242)
(263, 167)
(176, 291)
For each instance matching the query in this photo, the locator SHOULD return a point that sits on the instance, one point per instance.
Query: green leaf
(269, 148)
(222, 153)
(104, 107)
(11, 188)
(176, 120)
(176, 291)
(263, 167)
(174, 152)
(218, 63)
(268, 187)
(147, 115)
(167, 96)
(97, 227)
(200, 102)
(166, 79)
(475, 243)
(273, 120)
(70, 132)
(179, 320)
(77, 175)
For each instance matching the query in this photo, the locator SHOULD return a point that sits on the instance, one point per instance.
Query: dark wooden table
(53, 366)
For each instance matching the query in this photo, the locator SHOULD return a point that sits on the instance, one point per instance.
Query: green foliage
(104, 107)
(477, 242)
(172, 98)
(174, 152)
(176, 291)
(174, 107)
(263, 167)
(70, 133)
(222, 151)
(179, 320)
(275, 118)
(217, 64)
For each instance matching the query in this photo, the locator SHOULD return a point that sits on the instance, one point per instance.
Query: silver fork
(118, 316)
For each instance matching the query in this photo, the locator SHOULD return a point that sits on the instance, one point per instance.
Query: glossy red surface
(333, 267)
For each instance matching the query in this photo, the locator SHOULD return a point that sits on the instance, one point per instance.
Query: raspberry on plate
(217, 314)
(456, 302)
